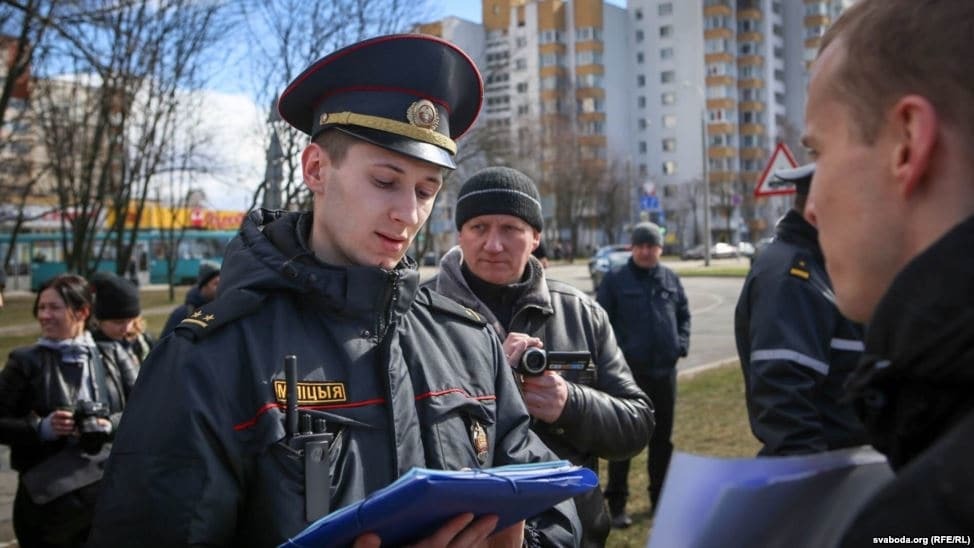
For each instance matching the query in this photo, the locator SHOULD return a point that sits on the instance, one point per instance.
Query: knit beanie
(499, 191)
(207, 270)
(646, 233)
(115, 298)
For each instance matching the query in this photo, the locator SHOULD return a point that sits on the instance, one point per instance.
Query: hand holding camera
(94, 428)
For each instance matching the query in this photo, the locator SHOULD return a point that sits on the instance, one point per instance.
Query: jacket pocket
(460, 431)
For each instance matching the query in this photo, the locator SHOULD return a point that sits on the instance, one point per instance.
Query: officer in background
(402, 376)
(651, 318)
(583, 415)
(796, 349)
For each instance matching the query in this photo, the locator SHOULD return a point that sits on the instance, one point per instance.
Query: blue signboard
(649, 203)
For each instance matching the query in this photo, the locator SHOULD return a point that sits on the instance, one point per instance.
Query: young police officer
(404, 377)
(581, 414)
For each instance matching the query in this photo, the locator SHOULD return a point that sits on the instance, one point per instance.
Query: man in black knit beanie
(583, 414)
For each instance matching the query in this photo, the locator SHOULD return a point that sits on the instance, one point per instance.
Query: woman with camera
(60, 402)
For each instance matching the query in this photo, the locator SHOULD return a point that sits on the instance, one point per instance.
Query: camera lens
(533, 361)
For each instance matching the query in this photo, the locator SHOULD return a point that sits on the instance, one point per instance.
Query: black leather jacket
(796, 349)
(606, 415)
(33, 385)
(406, 378)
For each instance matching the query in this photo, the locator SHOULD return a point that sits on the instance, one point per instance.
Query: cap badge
(423, 114)
(323, 119)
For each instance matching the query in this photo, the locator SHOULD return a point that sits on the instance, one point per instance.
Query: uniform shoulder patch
(446, 305)
(800, 268)
(219, 312)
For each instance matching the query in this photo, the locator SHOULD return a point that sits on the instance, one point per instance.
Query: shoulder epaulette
(224, 309)
(800, 268)
(446, 305)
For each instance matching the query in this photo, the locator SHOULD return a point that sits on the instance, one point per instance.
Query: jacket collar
(794, 228)
(451, 283)
(922, 325)
(279, 240)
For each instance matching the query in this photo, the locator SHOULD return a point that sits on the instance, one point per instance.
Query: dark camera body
(536, 361)
(93, 435)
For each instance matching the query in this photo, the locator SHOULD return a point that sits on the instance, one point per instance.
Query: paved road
(712, 302)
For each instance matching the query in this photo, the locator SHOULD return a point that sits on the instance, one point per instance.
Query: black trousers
(661, 389)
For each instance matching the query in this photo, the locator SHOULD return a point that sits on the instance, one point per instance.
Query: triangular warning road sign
(781, 158)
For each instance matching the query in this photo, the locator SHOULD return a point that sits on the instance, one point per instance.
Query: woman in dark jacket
(60, 402)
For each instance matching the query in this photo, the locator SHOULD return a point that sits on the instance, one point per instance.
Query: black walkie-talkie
(307, 438)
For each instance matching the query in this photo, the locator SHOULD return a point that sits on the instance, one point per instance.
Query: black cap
(207, 270)
(411, 93)
(646, 233)
(115, 297)
(800, 176)
(499, 191)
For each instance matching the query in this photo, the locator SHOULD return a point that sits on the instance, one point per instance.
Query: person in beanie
(207, 283)
(118, 314)
(796, 358)
(651, 318)
(583, 415)
(400, 376)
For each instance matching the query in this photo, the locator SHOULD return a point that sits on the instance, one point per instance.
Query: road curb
(692, 372)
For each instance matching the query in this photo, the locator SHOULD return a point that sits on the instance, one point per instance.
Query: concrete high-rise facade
(661, 94)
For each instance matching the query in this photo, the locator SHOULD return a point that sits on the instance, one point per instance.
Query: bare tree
(108, 103)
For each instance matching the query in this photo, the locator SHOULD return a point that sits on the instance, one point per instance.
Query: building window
(591, 104)
(639, 14)
(666, 8)
(669, 167)
(639, 36)
(640, 57)
(640, 80)
(523, 110)
(669, 121)
(642, 123)
(666, 31)
(643, 170)
(667, 76)
(520, 64)
(588, 33)
(668, 98)
(666, 53)
(588, 57)
(642, 147)
(521, 42)
(716, 45)
(669, 145)
(641, 101)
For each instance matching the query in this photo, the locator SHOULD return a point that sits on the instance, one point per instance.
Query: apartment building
(662, 94)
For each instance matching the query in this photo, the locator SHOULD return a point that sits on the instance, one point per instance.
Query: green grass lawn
(711, 419)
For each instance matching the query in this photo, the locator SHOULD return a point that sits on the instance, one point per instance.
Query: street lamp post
(706, 185)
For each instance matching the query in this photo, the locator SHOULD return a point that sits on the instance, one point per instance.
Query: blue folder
(420, 501)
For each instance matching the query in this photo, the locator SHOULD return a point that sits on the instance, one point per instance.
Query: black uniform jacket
(606, 415)
(650, 315)
(915, 391)
(33, 385)
(796, 348)
(407, 378)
